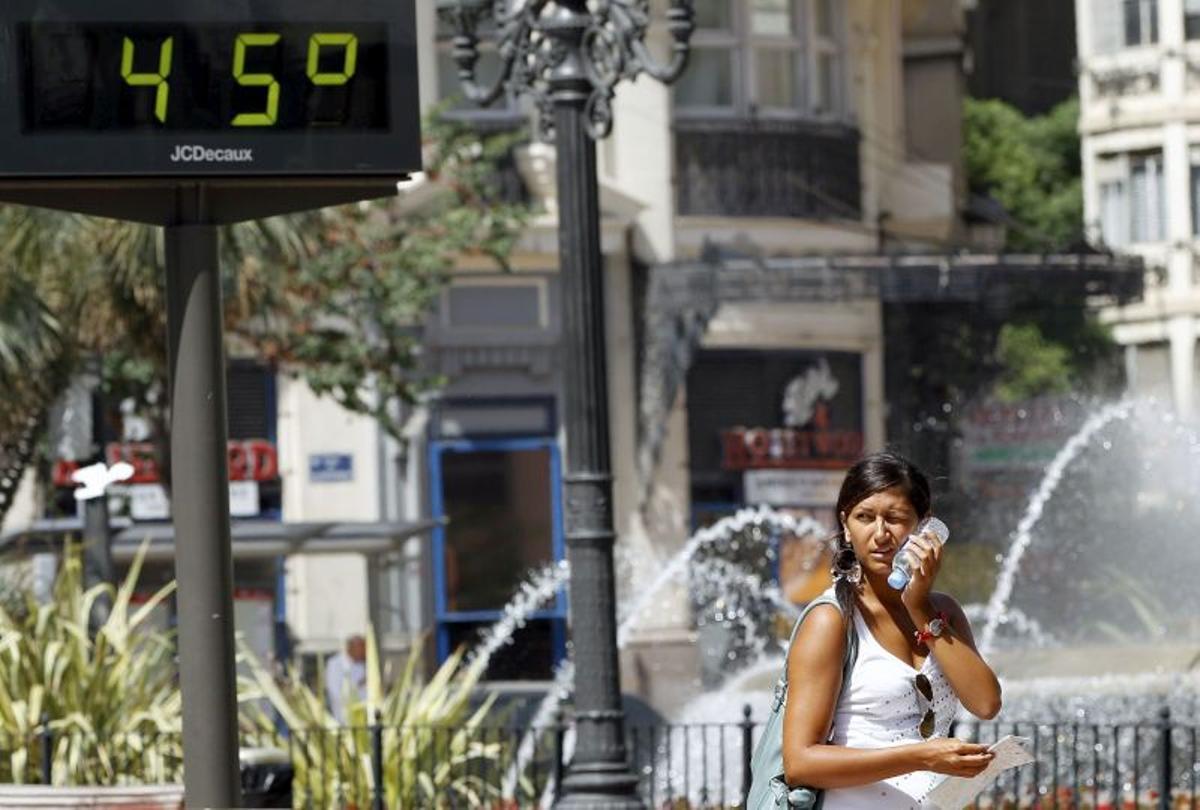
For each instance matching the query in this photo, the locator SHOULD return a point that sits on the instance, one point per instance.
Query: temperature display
(161, 89)
(271, 76)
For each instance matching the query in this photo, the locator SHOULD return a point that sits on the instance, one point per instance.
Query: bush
(111, 699)
(435, 751)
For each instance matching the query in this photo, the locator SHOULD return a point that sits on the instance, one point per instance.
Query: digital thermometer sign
(214, 87)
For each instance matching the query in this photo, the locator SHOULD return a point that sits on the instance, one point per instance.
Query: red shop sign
(249, 460)
(788, 448)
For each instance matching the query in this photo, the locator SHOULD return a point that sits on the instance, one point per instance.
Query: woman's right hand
(955, 757)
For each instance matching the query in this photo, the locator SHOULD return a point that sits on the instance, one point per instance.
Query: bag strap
(848, 659)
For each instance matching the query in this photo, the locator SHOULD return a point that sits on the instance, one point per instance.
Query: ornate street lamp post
(568, 56)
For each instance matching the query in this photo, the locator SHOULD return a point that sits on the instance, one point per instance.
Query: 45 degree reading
(158, 89)
(267, 115)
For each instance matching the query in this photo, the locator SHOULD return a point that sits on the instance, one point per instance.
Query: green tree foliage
(1029, 165)
(29, 332)
(1032, 167)
(347, 316)
(35, 358)
(1030, 364)
(1048, 351)
(101, 283)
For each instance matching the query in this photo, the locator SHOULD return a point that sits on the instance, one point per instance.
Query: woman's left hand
(926, 551)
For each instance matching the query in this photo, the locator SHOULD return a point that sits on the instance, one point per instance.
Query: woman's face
(877, 525)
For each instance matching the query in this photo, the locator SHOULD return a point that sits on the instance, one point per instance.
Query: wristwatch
(933, 628)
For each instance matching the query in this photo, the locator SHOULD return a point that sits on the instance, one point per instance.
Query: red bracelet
(934, 628)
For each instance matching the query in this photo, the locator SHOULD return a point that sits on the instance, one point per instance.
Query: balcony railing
(756, 168)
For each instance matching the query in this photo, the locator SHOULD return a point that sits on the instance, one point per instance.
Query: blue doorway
(500, 503)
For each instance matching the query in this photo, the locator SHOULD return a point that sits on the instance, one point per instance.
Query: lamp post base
(595, 786)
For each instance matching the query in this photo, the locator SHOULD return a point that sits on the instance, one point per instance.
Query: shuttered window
(1141, 22)
(1107, 35)
(1120, 24)
(250, 391)
(1146, 198)
(1191, 19)
(1114, 207)
(778, 57)
(1195, 195)
(1132, 205)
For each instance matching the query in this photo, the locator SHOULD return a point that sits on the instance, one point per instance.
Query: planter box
(143, 797)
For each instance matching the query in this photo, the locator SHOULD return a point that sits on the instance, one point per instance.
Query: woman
(916, 661)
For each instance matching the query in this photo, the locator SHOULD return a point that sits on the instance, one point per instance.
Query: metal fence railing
(1083, 766)
(1150, 764)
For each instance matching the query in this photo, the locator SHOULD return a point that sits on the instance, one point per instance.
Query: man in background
(346, 676)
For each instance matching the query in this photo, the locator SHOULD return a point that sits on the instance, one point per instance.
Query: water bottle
(902, 563)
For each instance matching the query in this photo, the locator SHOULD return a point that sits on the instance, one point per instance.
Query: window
(1141, 22)
(500, 503)
(1113, 207)
(1146, 198)
(1191, 19)
(1195, 195)
(712, 70)
(770, 56)
(1131, 199)
(1120, 24)
(826, 64)
(488, 302)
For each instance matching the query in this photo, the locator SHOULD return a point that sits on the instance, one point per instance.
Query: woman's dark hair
(880, 471)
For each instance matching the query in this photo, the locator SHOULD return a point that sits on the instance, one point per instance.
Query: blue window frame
(459, 612)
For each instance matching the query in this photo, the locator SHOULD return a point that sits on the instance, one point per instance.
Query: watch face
(936, 626)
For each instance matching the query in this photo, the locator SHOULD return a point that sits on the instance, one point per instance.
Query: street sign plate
(208, 88)
(325, 468)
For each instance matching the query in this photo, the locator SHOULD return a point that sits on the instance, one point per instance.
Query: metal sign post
(94, 481)
(189, 114)
(200, 509)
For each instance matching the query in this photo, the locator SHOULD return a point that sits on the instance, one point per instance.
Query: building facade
(759, 221)
(788, 136)
(1139, 87)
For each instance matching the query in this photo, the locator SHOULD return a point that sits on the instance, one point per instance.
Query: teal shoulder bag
(768, 789)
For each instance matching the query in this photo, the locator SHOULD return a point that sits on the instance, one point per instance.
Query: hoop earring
(845, 563)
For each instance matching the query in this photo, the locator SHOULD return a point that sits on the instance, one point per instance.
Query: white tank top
(881, 708)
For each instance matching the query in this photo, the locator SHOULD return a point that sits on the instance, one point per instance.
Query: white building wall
(1157, 112)
(327, 594)
(638, 158)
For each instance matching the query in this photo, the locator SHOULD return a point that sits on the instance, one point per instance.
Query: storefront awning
(682, 297)
(252, 539)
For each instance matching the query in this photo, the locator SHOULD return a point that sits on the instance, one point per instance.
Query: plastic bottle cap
(898, 579)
